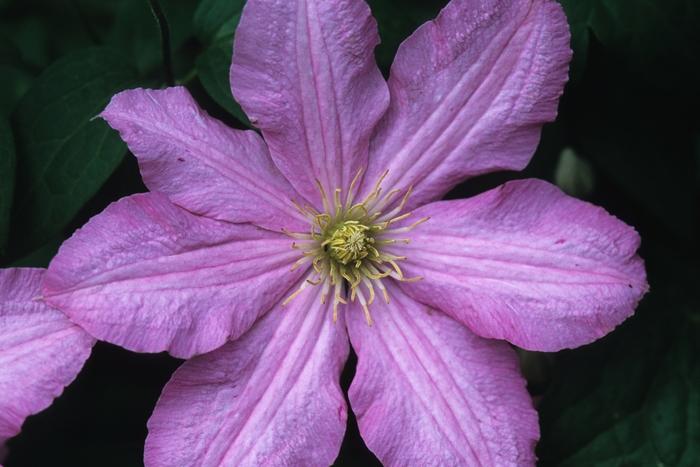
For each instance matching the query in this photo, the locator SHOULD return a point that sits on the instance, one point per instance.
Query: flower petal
(469, 93)
(270, 398)
(304, 72)
(429, 392)
(149, 276)
(526, 263)
(41, 352)
(200, 163)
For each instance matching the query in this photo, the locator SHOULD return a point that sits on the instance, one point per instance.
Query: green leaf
(36, 36)
(215, 22)
(16, 82)
(633, 28)
(16, 77)
(217, 19)
(9, 53)
(634, 397)
(213, 70)
(7, 183)
(64, 153)
(398, 20)
(579, 18)
(39, 258)
(631, 114)
(136, 31)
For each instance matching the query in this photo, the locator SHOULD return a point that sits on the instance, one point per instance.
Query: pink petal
(41, 352)
(149, 276)
(270, 398)
(429, 392)
(304, 72)
(469, 93)
(200, 163)
(526, 263)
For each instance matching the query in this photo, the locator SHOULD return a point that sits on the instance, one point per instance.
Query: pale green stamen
(347, 246)
(350, 242)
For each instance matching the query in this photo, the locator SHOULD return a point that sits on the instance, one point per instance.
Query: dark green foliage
(634, 397)
(213, 70)
(214, 24)
(64, 152)
(7, 187)
(654, 36)
(397, 20)
(16, 76)
(136, 33)
(636, 110)
(215, 19)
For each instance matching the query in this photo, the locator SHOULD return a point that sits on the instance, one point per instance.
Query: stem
(164, 40)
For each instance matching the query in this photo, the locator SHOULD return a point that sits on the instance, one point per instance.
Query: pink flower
(351, 168)
(41, 351)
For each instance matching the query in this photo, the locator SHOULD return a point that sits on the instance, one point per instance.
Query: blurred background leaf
(213, 69)
(214, 24)
(216, 19)
(651, 35)
(64, 153)
(17, 76)
(7, 169)
(632, 398)
(397, 20)
(634, 113)
(136, 33)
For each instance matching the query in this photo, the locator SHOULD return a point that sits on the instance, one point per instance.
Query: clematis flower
(41, 351)
(257, 259)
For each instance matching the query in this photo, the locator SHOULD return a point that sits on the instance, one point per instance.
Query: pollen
(350, 245)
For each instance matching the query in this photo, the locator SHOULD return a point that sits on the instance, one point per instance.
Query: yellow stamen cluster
(349, 245)
(351, 242)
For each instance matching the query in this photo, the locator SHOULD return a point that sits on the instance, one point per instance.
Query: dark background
(627, 138)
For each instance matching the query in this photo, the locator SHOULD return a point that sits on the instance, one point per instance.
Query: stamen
(412, 279)
(337, 300)
(375, 274)
(365, 308)
(314, 282)
(393, 241)
(370, 288)
(351, 190)
(398, 218)
(336, 200)
(408, 228)
(303, 260)
(349, 245)
(299, 208)
(384, 292)
(295, 293)
(324, 291)
(374, 194)
(299, 236)
(386, 201)
(324, 198)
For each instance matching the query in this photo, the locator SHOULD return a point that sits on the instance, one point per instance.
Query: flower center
(350, 242)
(351, 245)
